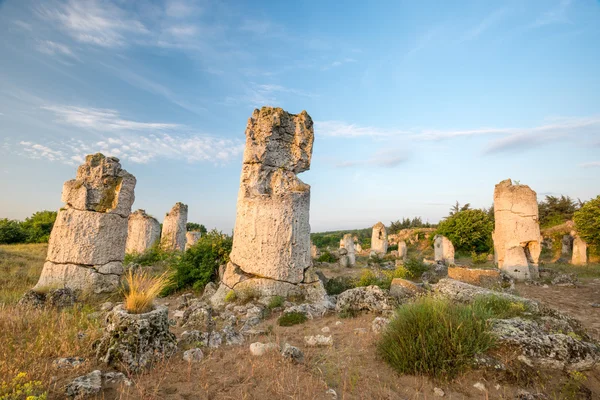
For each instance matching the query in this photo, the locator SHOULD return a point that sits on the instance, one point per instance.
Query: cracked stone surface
(87, 243)
(271, 243)
(174, 228)
(517, 240)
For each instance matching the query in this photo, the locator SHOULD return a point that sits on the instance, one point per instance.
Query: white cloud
(555, 15)
(343, 129)
(23, 25)
(592, 164)
(181, 8)
(101, 119)
(54, 48)
(92, 21)
(182, 30)
(338, 63)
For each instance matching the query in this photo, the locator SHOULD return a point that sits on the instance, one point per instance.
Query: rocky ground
(345, 367)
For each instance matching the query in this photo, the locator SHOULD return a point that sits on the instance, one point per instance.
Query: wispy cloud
(592, 164)
(258, 95)
(388, 158)
(23, 25)
(53, 48)
(555, 15)
(344, 129)
(485, 24)
(133, 141)
(338, 63)
(181, 8)
(92, 21)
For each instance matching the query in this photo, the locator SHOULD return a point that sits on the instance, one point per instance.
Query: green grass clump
(415, 267)
(435, 337)
(274, 302)
(291, 318)
(498, 307)
(152, 256)
(338, 285)
(230, 297)
(327, 257)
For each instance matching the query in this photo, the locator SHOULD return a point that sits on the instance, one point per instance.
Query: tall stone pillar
(143, 232)
(87, 244)
(443, 249)
(348, 244)
(579, 251)
(517, 232)
(174, 228)
(379, 241)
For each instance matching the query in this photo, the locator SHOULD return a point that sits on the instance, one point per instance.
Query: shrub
(200, 263)
(587, 221)
(274, 302)
(11, 231)
(142, 289)
(478, 258)
(291, 318)
(151, 256)
(327, 257)
(498, 307)
(193, 226)
(468, 230)
(20, 387)
(39, 225)
(435, 337)
(338, 285)
(415, 267)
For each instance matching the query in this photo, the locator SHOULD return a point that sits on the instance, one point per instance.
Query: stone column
(174, 228)
(143, 232)
(349, 246)
(579, 252)
(443, 249)
(402, 250)
(271, 244)
(379, 241)
(191, 238)
(517, 232)
(87, 244)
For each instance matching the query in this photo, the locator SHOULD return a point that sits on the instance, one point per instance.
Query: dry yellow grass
(142, 289)
(20, 268)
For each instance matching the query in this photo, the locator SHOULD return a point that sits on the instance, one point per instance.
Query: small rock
(68, 362)
(379, 324)
(438, 392)
(325, 329)
(193, 355)
(318, 340)
(107, 306)
(259, 349)
(331, 393)
(480, 386)
(292, 353)
(85, 385)
(338, 323)
(115, 378)
(596, 305)
(360, 331)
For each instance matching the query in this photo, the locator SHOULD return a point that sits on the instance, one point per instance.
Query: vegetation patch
(20, 387)
(468, 230)
(142, 289)
(291, 318)
(435, 337)
(498, 307)
(339, 284)
(275, 302)
(327, 257)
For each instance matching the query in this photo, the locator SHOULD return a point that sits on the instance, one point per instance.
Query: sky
(416, 105)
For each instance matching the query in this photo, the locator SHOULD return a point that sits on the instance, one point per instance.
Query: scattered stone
(193, 355)
(438, 392)
(338, 323)
(379, 324)
(331, 393)
(68, 362)
(57, 298)
(517, 232)
(115, 378)
(596, 305)
(87, 244)
(318, 340)
(325, 329)
(360, 331)
(379, 239)
(565, 280)
(134, 341)
(174, 228)
(369, 298)
(292, 354)
(259, 349)
(232, 338)
(143, 232)
(480, 386)
(402, 289)
(444, 250)
(85, 386)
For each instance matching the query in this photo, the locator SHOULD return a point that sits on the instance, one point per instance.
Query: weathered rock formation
(143, 232)
(191, 238)
(271, 245)
(443, 249)
(348, 244)
(579, 251)
(379, 241)
(174, 228)
(566, 246)
(517, 232)
(87, 243)
(402, 250)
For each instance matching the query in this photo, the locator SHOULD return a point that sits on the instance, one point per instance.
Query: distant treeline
(35, 229)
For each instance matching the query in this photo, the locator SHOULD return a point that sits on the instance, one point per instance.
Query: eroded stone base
(94, 279)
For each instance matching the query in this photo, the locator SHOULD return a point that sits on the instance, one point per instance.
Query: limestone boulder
(379, 239)
(101, 185)
(143, 232)
(87, 237)
(174, 228)
(402, 289)
(369, 298)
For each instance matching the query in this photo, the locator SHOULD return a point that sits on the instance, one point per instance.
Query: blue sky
(416, 104)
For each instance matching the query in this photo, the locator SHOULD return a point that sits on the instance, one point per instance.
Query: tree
(38, 226)
(468, 230)
(455, 209)
(192, 226)
(555, 210)
(11, 231)
(587, 222)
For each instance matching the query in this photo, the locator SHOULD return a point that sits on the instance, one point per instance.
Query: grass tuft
(142, 289)
(291, 318)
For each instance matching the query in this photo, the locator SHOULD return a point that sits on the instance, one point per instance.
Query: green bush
(151, 256)
(587, 221)
(35, 229)
(468, 230)
(11, 232)
(200, 263)
(291, 318)
(435, 337)
(327, 257)
(274, 302)
(478, 258)
(338, 285)
(415, 267)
